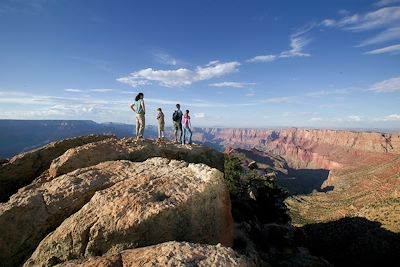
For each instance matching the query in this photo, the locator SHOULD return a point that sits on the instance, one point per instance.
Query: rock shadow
(254, 156)
(304, 181)
(351, 242)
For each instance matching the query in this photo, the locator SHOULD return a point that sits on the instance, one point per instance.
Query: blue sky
(324, 64)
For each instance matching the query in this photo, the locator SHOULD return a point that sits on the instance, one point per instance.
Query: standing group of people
(181, 121)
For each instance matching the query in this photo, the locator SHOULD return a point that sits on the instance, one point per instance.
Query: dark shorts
(177, 126)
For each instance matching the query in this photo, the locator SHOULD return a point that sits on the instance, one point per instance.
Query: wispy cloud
(298, 41)
(392, 117)
(180, 77)
(386, 2)
(345, 91)
(386, 86)
(393, 49)
(166, 59)
(199, 115)
(34, 7)
(250, 92)
(232, 84)
(315, 119)
(263, 58)
(73, 90)
(380, 18)
(354, 118)
(300, 114)
(101, 90)
(279, 100)
(386, 19)
(97, 90)
(385, 36)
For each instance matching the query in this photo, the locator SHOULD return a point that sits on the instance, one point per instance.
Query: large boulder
(156, 201)
(168, 254)
(24, 168)
(130, 149)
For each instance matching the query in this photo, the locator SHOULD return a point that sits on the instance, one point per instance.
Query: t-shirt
(139, 107)
(185, 121)
(160, 118)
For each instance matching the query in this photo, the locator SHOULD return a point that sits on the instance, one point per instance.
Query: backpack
(175, 116)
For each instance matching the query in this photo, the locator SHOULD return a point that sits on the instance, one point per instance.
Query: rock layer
(158, 200)
(169, 254)
(23, 168)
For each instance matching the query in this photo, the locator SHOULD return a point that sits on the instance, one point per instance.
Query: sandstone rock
(23, 168)
(158, 200)
(133, 150)
(37, 209)
(169, 254)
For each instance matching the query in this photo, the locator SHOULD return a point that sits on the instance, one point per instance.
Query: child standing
(186, 125)
(161, 123)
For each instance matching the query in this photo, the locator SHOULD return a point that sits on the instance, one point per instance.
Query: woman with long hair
(139, 108)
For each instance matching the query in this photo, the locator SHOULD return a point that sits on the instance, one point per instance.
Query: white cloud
(315, 119)
(300, 114)
(386, 18)
(72, 90)
(264, 58)
(101, 90)
(199, 115)
(180, 77)
(128, 92)
(297, 44)
(392, 117)
(278, 100)
(393, 49)
(250, 92)
(354, 118)
(386, 2)
(232, 84)
(385, 36)
(372, 20)
(387, 86)
(329, 92)
(328, 22)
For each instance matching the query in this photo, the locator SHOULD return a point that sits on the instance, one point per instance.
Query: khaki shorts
(177, 126)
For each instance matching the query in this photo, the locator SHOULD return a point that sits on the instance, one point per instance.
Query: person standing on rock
(186, 125)
(139, 108)
(177, 120)
(161, 123)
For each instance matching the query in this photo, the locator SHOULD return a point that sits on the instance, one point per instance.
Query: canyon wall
(302, 148)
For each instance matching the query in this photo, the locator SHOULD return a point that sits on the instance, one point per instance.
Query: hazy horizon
(235, 64)
(169, 125)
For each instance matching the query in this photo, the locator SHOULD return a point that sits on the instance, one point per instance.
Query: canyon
(360, 171)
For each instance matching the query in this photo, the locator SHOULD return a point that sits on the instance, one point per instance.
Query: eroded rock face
(156, 201)
(23, 168)
(169, 254)
(133, 150)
